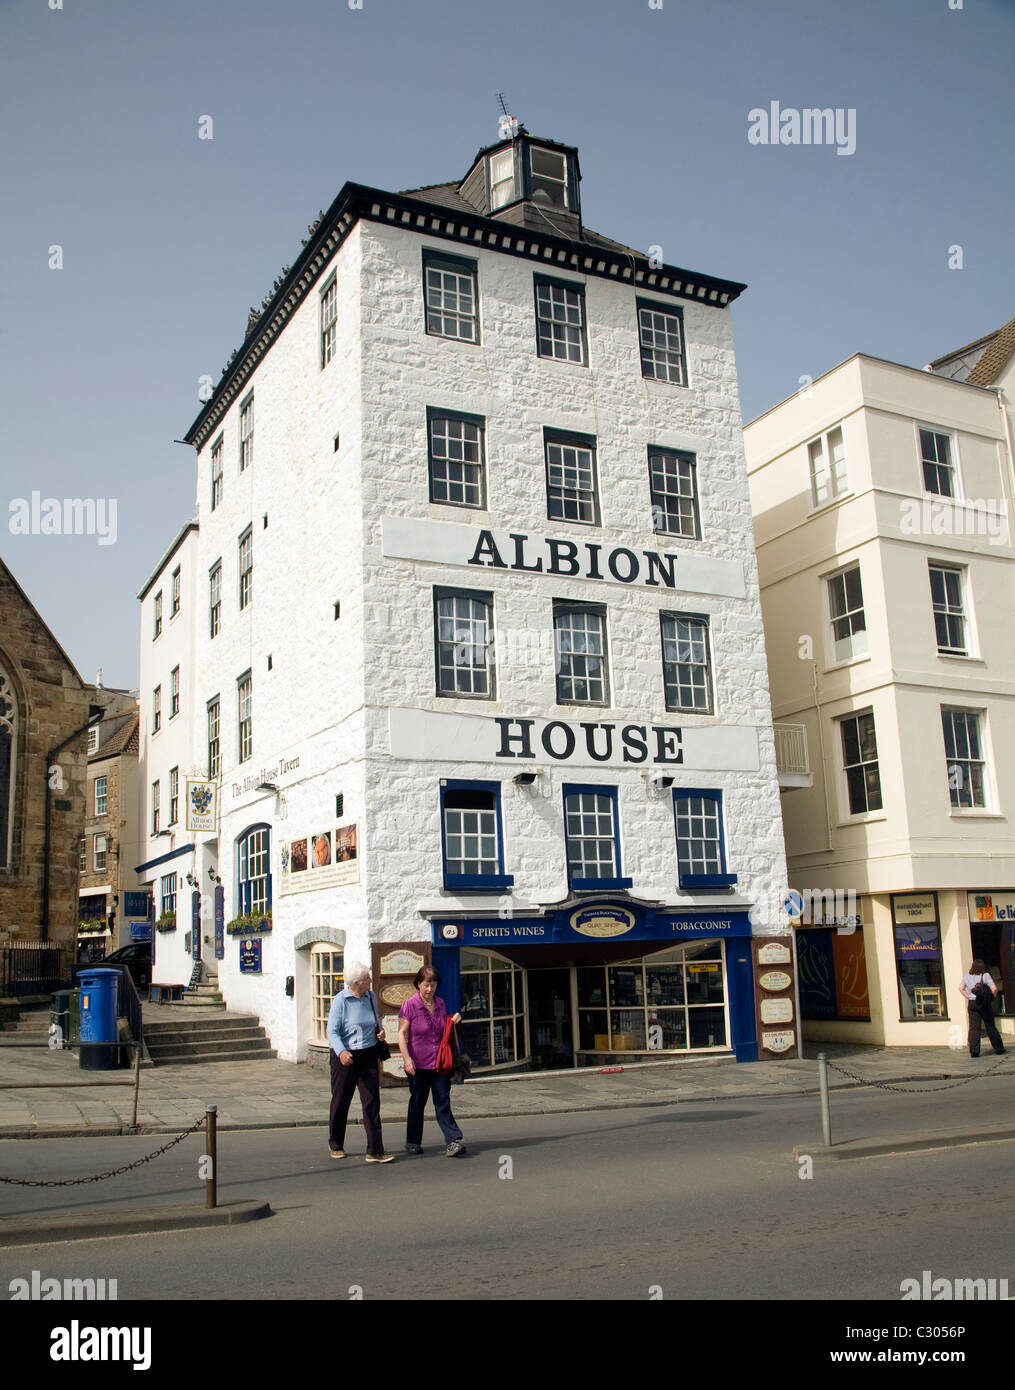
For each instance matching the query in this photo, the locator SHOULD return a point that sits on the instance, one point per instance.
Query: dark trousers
(362, 1072)
(985, 1015)
(421, 1084)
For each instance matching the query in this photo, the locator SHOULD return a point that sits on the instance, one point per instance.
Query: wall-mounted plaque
(401, 963)
(778, 1042)
(777, 1010)
(774, 980)
(775, 953)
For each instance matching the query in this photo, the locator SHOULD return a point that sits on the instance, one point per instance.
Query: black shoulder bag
(383, 1050)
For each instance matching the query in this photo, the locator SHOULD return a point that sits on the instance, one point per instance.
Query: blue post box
(99, 998)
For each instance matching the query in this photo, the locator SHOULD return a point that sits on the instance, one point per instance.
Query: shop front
(592, 984)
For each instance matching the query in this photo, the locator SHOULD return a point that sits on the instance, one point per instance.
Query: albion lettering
(559, 741)
(574, 561)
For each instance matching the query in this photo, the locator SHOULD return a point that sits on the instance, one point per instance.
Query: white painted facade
(338, 635)
(935, 833)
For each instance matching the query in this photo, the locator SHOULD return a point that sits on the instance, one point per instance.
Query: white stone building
(486, 681)
(172, 604)
(882, 500)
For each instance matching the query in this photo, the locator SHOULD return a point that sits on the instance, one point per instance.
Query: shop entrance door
(551, 1043)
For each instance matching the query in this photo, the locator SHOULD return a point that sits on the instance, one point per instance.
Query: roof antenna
(508, 123)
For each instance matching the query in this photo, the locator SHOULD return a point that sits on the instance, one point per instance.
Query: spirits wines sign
(423, 735)
(446, 543)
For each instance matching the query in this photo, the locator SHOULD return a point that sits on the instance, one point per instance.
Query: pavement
(45, 1094)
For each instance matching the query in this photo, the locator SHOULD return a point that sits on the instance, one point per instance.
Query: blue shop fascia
(598, 980)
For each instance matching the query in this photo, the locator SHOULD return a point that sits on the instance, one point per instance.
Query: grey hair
(356, 972)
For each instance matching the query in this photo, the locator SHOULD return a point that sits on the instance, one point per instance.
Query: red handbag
(445, 1054)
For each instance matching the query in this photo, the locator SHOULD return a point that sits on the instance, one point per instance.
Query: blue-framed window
(253, 864)
(592, 837)
(701, 843)
(472, 835)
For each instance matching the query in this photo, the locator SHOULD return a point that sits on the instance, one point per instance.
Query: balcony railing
(791, 760)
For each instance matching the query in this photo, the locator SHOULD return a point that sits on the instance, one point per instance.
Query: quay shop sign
(449, 543)
(429, 736)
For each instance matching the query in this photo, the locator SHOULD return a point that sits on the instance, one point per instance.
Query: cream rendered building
(882, 500)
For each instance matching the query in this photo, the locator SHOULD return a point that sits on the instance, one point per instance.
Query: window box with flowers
(249, 924)
(94, 926)
(167, 922)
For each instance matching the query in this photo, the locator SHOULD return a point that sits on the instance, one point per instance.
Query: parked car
(136, 956)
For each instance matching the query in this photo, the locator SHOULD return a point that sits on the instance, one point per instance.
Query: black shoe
(414, 1148)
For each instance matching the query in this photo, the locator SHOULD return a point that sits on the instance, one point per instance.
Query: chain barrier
(113, 1172)
(916, 1090)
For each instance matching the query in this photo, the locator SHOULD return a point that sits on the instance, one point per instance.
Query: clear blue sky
(168, 239)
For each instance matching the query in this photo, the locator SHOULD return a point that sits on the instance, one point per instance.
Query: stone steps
(214, 1038)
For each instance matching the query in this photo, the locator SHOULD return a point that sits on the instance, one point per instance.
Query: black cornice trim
(356, 201)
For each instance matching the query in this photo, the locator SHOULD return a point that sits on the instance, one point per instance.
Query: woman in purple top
(420, 1029)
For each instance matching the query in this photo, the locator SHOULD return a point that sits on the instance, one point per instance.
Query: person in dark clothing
(980, 992)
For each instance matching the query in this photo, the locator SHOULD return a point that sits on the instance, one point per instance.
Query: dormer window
(502, 179)
(549, 175)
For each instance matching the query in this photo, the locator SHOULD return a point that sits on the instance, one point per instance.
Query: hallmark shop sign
(446, 543)
(427, 736)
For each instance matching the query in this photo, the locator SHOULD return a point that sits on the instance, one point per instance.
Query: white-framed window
(156, 796)
(156, 709)
(158, 615)
(174, 692)
(472, 838)
(174, 606)
(216, 473)
(100, 845)
(456, 457)
(946, 586)
(580, 653)
(965, 761)
(246, 567)
(168, 893)
(937, 463)
(572, 492)
(860, 763)
(673, 484)
(247, 432)
(329, 318)
(463, 638)
(245, 716)
(215, 598)
(327, 978)
(451, 297)
(661, 341)
(687, 672)
(493, 1009)
(214, 746)
(501, 168)
(83, 855)
(827, 459)
(560, 320)
(846, 615)
(93, 738)
(100, 796)
(174, 795)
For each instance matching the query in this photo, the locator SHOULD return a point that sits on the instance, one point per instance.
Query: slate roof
(124, 740)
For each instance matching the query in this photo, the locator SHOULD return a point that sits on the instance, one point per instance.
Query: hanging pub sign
(323, 858)
(202, 805)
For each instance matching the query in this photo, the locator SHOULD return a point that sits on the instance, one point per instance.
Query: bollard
(137, 1080)
(210, 1189)
(826, 1119)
